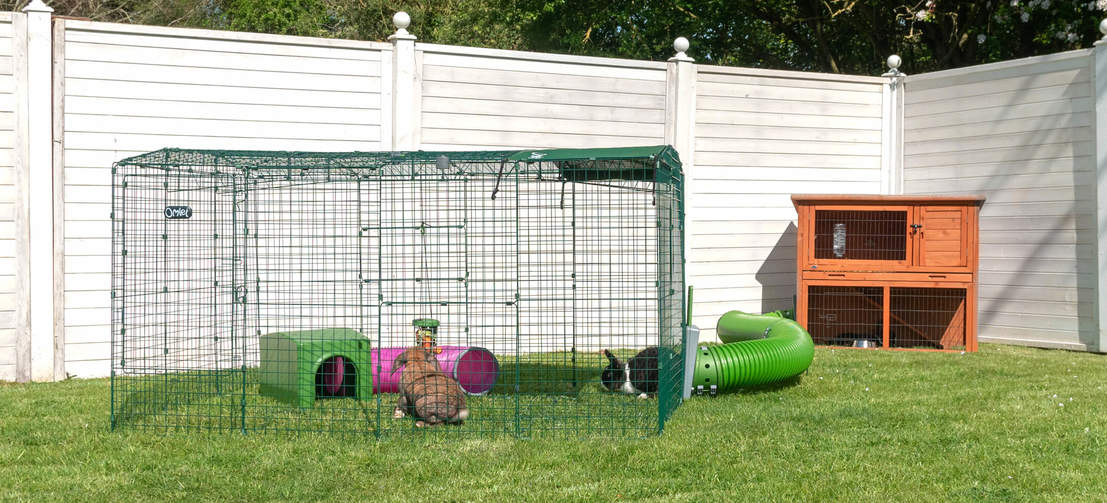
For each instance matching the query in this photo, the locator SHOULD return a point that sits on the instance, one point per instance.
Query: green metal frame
(220, 318)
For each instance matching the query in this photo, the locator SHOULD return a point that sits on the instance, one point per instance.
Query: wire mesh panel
(396, 294)
(846, 315)
(177, 329)
(861, 234)
(927, 318)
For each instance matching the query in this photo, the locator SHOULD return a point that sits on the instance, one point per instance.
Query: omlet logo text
(175, 212)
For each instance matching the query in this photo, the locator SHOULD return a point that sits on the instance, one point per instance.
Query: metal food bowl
(866, 343)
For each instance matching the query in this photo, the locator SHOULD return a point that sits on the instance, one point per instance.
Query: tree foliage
(847, 36)
(852, 36)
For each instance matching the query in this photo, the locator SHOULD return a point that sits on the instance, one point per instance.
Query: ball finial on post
(37, 6)
(894, 75)
(680, 45)
(894, 61)
(401, 20)
(1103, 28)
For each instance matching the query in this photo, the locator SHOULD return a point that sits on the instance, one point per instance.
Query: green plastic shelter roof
(651, 163)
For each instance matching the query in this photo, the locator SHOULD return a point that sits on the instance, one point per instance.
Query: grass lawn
(549, 405)
(1005, 424)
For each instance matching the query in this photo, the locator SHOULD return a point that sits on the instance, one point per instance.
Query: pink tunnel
(475, 369)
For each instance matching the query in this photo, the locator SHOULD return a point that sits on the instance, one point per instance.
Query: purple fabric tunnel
(475, 369)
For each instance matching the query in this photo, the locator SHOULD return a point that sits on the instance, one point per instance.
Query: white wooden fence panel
(760, 137)
(506, 99)
(1021, 133)
(133, 89)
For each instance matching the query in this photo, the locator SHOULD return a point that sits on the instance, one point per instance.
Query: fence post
(1099, 89)
(57, 145)
(406, 86)
(21, 319)
(34, 151)
(680, 103)
(680, 125)
(891, 136)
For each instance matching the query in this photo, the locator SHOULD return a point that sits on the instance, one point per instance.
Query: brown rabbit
(428, 394)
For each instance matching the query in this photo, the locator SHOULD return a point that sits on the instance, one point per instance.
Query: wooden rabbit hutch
(888, 271)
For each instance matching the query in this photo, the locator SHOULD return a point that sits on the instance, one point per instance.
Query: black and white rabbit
(637, 376)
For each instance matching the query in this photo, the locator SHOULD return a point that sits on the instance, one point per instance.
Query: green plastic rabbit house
(299, 367)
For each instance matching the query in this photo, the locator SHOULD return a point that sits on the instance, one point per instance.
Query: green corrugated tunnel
(759, 349)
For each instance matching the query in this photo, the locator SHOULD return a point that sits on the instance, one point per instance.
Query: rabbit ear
(400, 361)
(611, 358)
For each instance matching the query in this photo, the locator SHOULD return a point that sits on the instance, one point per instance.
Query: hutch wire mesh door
(274, 291)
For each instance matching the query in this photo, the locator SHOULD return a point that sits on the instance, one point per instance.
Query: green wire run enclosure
(268, 291)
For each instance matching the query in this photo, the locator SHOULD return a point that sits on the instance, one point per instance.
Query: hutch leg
(886, 312)
(970, 317)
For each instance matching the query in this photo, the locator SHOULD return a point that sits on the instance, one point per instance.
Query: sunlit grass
(1005, 424)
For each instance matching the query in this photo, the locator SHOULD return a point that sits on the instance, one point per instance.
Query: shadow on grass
(772, 387)
(555, 373)
(554, 398)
